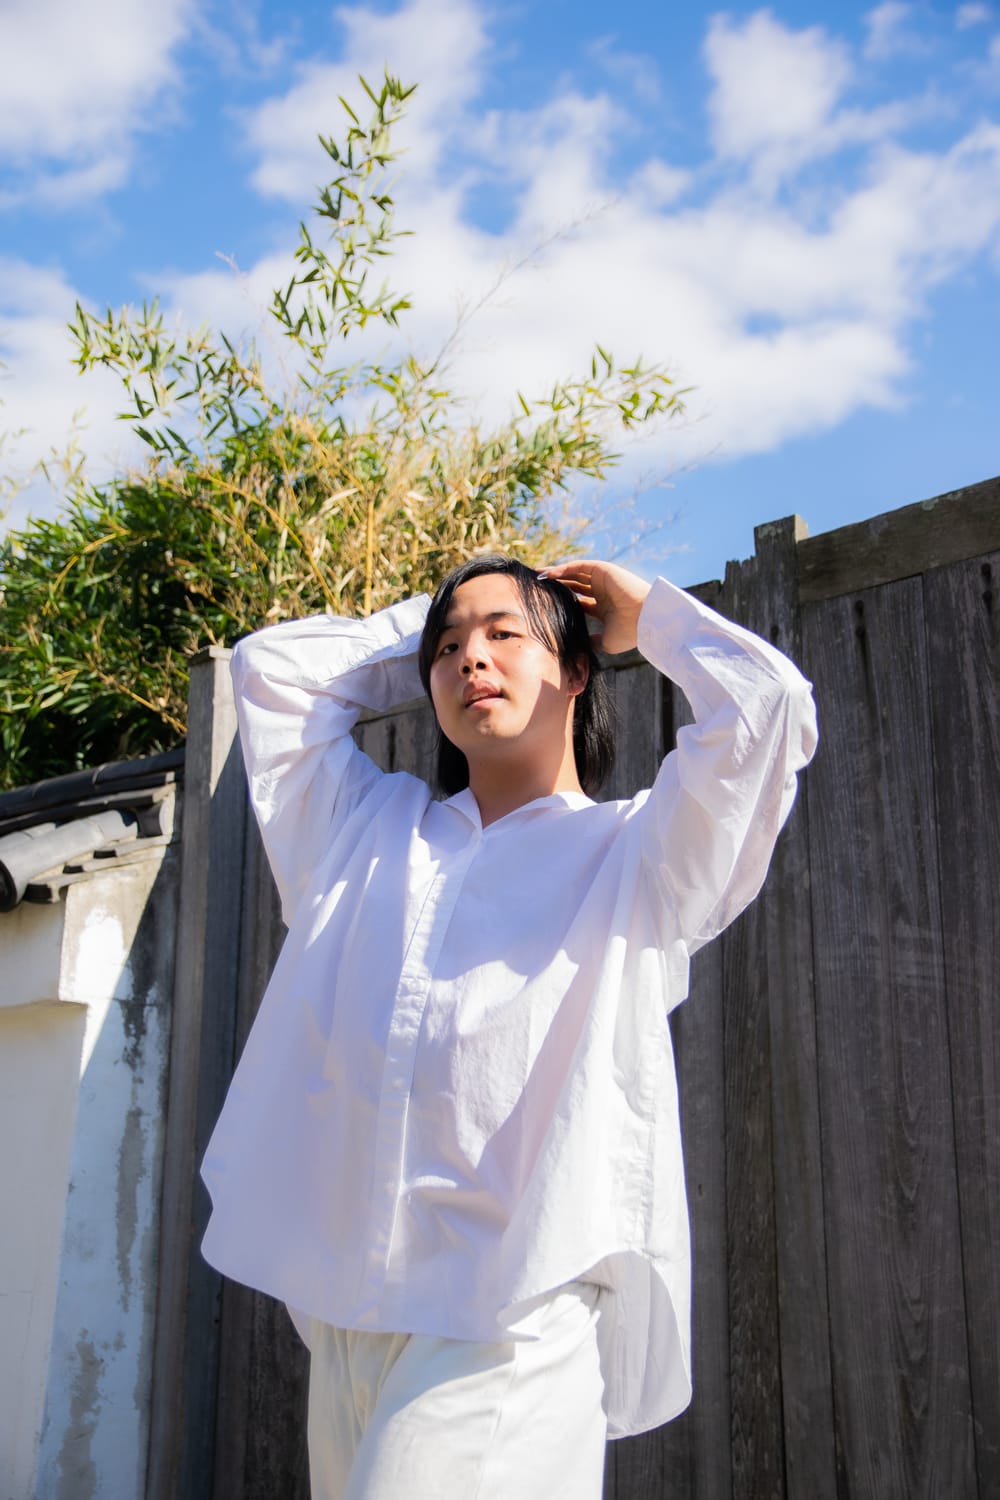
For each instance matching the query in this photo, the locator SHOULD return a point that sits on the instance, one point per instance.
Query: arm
(300, 687)
(721, 797)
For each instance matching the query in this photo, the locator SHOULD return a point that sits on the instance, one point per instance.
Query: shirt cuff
(668, 618)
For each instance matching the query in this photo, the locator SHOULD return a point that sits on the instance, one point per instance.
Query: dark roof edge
(65, 793)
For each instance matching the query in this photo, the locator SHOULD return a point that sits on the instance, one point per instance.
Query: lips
(476, 693)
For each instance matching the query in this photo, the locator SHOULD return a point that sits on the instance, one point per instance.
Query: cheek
(436, 693)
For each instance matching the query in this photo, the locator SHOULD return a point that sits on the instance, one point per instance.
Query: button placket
(397, 1074)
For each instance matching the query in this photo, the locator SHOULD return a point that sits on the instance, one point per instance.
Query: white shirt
(459, 1092)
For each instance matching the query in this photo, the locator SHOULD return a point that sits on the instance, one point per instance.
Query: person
(452, 1144)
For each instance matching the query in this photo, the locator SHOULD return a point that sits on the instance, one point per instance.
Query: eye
(446, 649)
(503, 635)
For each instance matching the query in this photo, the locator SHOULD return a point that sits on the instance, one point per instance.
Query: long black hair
(556, 619)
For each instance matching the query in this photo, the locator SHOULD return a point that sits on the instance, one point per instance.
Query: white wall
(84, 1044)
(40, 1051)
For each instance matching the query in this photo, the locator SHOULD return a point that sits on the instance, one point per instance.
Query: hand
(611, 594)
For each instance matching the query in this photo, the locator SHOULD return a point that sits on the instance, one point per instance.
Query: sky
(795, 209)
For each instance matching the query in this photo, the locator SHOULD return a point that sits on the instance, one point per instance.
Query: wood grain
(186, 1351)
(902, 543)
(636, 692)
(698, 1464)
(963, 634)
(260, 1448)
(764, 596)
(685, 1459)
(898, 1336)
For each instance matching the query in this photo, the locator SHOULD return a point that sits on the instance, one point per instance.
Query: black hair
(557, 620)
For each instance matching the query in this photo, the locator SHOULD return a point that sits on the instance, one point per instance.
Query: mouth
(482, 694)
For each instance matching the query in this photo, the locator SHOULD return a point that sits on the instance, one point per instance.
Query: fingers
(577, 575)
(588, 602)
(579, 567)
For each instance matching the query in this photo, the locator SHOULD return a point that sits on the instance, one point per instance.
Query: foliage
(327, 485)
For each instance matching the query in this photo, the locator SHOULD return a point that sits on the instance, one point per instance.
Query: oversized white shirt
(459, 1092)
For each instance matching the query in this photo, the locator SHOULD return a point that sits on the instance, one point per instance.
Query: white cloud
(771, 86)
(788, 312)
(660, 183)
(971, 15)
(557, 154)
(77, 81)
(636, 71)
(777, 99)
(65, 189)
(43, 395)
(437, 43)
(887, 33)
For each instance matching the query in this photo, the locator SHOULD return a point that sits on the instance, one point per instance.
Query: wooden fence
(839, 1062)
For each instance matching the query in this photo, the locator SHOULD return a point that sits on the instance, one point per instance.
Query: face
(496, 688)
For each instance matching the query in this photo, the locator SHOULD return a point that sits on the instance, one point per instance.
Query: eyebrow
(496, 614)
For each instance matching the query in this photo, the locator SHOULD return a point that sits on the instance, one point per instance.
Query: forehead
(488, 595)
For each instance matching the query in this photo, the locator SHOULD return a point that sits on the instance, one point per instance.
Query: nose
(474, 655)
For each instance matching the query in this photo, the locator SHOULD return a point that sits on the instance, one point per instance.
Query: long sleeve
(300, 687)
(722, 796)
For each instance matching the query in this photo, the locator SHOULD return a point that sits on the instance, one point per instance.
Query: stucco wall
(40, 1051)
(84, 1046)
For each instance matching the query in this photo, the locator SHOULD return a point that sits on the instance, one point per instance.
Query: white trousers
(410, 1417)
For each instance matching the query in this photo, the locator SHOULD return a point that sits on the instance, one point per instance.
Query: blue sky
(796, 208)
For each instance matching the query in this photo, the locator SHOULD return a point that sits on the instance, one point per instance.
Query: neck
(500, 787)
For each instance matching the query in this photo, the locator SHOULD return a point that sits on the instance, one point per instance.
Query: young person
(452, 1143)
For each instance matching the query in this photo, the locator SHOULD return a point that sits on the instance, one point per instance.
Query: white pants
(410, 1417)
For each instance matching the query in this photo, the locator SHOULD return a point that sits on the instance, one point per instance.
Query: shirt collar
(465, 803)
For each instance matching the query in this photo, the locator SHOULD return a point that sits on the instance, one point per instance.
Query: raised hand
(609, 593)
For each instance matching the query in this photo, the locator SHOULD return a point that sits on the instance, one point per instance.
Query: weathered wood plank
(902, 543)
(260, 1448)
(898, 1337)
(402, 741)
(697, 1454)
(685, 1460)
(963, 631)
(763, 596)
(634, 1469)
(263, 1450)
(186, 1350)
(636, 692)
(757, 1434)
(634, 1466)
(413, 748)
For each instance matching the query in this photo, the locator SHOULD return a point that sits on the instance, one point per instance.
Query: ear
(578, 676)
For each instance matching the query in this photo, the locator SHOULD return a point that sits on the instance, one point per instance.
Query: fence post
(206, 985)
(780, 1361)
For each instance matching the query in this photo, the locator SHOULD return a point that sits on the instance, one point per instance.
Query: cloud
(436, 43)
(638, 72)
(887, 33)
(77, 82)
(789, 300)
(777, 99)
(66, 189)
(972, 15)
(771, 86)
(42, 393)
